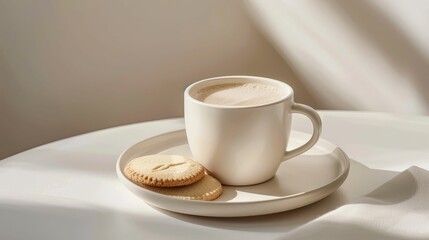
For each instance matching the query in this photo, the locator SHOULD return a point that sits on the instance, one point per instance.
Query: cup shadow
(301, 174)
(361, 181)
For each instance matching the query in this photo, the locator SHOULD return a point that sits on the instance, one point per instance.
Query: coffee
(238, 94)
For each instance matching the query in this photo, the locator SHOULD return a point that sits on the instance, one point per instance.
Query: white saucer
(299, 181)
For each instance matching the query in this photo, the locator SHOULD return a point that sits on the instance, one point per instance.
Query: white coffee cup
(244, 145)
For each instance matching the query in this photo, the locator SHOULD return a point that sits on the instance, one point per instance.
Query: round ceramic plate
(299, 181)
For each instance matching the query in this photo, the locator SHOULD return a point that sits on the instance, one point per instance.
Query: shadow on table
(361, 180)
(396, 210)
(349, 231)
(46, 217)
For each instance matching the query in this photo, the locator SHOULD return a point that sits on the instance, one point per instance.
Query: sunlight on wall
(359, 55)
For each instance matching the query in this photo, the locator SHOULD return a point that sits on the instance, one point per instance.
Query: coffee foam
(238, 94)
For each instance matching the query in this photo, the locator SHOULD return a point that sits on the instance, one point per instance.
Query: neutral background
(70, 67)
(354, 54)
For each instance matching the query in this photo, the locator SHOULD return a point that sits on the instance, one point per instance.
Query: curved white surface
(299, 181)
(69, 189)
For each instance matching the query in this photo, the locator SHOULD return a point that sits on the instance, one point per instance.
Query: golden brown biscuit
(164, 171)
(207, 189)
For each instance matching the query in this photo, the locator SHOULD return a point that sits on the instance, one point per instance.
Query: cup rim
(206, 82)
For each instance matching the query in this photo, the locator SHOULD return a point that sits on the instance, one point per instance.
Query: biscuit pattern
(164, 171)
(207, 189)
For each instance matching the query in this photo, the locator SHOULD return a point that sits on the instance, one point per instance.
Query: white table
(69, 190)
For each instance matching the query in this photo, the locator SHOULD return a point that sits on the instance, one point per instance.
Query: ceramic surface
(230, 141)
(299, 181)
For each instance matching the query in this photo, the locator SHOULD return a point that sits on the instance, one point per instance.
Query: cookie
(164, 171)
(207, 189)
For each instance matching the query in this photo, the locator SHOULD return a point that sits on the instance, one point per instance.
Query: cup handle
(317, 129)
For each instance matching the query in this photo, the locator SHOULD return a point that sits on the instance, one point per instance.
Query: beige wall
(356, 54)
(70, 67)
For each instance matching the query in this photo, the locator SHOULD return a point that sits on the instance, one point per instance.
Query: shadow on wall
(72, 67)
(398, 48)
(354, 54)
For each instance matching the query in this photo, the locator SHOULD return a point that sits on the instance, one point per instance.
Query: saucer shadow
(360, 181)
